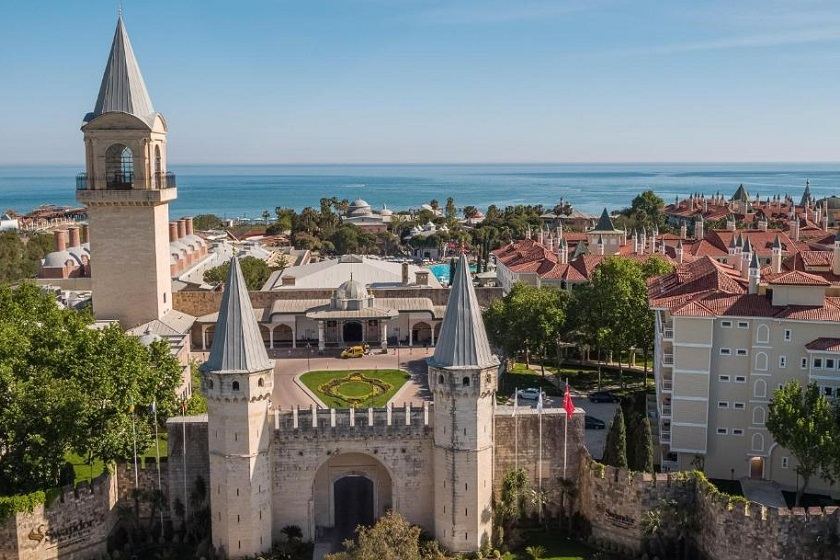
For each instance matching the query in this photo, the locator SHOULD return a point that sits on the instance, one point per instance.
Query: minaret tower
(238, 379)
(127, 191)
(463, 376)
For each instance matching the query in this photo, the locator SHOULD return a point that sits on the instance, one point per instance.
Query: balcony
(124, 181)
(667, 359)
(668, 333)
(667, 385)
(666, 411)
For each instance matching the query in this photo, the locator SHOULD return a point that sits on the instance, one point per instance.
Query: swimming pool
(441, 272)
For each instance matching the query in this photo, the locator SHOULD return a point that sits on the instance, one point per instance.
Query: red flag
(568, 405)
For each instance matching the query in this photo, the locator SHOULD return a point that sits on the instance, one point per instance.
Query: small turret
(679, 251)
(730, 222)
(698, 227)
(754, 274)
(776, 259)
(683, 229)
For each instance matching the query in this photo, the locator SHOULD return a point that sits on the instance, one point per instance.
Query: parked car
(592, 423)
(353, 352)
(530, 394)
(602, 396)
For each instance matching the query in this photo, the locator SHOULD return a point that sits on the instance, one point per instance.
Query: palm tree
(535, 552)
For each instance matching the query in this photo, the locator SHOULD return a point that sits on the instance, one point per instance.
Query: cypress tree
(615, 448)
(451, 271)
(643, 455)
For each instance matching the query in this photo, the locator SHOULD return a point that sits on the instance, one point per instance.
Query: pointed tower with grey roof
(127, 192)
(238, 378)
(606, 237)
(463, 377)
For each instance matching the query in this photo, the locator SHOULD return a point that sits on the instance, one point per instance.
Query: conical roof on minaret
(740, 194)
(463, 341)
(123, 89)
(237, 343)
(806, 194)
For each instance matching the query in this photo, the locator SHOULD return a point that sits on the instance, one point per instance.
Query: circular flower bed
(355, 388)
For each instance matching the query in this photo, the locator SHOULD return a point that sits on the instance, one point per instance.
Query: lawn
(355, 388)
(85, 472)
(556, 546)
(580, 379)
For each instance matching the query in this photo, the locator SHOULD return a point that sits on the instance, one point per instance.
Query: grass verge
(353, 391)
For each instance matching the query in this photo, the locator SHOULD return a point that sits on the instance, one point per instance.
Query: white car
(530, 394)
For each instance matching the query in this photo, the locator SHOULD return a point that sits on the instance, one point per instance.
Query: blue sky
(437, 81)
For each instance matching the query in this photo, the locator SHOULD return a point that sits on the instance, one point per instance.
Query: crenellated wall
(615, 502)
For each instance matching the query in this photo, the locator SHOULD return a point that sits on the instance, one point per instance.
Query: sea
(246, 191)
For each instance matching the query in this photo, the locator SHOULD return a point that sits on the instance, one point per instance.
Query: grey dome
(147, 338)
(59, 259)
(358, 207)
(351, 290)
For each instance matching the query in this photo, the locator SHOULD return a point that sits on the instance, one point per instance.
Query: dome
(351, 290)
(147, 338)
(59, 259)
(832, 201)
(358, 207)
(385, 211)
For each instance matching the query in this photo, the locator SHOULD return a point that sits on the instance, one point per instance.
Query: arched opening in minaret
(353, 332)
(119, 167)
(158, 170)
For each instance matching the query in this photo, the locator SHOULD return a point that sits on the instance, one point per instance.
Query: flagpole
(539, 460)
(157, 455)
(565, 433)
(134, 438)
(515, 429)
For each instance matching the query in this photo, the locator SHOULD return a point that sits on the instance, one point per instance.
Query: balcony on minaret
(126, 188)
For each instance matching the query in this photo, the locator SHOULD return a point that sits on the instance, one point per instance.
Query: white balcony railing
(666, 411)
(668, 359)
(667, 385)
(668, 333)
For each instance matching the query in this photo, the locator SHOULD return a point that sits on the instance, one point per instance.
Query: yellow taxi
(353, 352)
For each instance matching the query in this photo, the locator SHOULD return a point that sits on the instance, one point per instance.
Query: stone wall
(199, 303)
(197, 457)
(74, 526)
(146, 481)
(524, 430)
(615, 502)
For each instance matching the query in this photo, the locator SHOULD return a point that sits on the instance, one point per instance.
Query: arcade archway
(353, 332)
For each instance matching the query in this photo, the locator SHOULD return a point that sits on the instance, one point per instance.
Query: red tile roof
(798, 278)
(824, 344)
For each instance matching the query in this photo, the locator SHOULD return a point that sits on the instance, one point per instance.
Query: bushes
(10, 505)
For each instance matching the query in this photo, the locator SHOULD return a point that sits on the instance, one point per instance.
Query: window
(829, 363)
(761, 361)
(723, 404)
(726, 324)
(235, 385)
(828, 391)
(465, 382)
(260, 382)
(722, 431)
(758, 442)
(788, 335)
(785, 462)
(740, 379)
(725, 351)
(440, 379)
(818, 363)
(741, 351)
(782, 361)
(760, 389)
(759, 415)
(738, 405)
(762, 334)
(743, 324)
(803, 363)
(164, 297)
(737, 432)
(724, 378)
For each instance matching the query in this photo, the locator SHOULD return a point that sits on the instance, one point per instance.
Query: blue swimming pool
(441, 272)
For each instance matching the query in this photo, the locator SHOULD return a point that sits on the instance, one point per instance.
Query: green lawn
(349, 388)
(556, 547)
(85, 472)
(580, 379)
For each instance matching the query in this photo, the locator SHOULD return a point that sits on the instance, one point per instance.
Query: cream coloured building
(725, 340)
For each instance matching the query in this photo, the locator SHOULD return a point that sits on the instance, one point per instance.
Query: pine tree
(643, 448)
(615, 449)
(451, 271)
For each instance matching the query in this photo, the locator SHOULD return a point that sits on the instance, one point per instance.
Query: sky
(422, 81)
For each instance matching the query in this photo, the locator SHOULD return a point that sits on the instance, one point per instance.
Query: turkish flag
(568, 405)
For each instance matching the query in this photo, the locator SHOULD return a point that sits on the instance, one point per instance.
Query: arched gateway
(349, 490)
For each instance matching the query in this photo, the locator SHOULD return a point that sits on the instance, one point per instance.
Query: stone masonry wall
(199, 303)
(75, 526)
(526, 423)
(615, 501)
(197, 457)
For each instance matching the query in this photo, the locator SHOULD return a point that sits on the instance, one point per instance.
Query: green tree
(65, 386)
(391, 538)
(642, 447)
(204, 222)
(255, 271)
(615, 448)
(510, 507)
(802, 421)
(470, 211)
(285, 219)
(646, 210)
(450, 210)
(20, 257)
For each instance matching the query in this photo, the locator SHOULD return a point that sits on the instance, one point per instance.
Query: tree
(470, 211)
(65, 386)
(802, 421)
(391, 538)
(511, 504)
(642, 447)
(20, 257)
(255, 271)
(646, 210)
(450, 210)
(451, 271)
(203, 222)
(615, 448)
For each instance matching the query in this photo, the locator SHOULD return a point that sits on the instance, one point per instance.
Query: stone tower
(463, 379)
(238, 379)
(127, 192)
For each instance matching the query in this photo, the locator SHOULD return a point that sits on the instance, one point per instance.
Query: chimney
(182, 228)
(189, 225)
(730, 222)
(679, 251)
(60, 240)
(563, 252)
(405, 279)
(762, 223)
(698, 227)
(288, 280)
(541, 236)
(776, 259)
(835, 255)
(560, 231)
(173, 232)
(75, 240)
(746, 259)
(653, 235)
(683, 230)
(705, 205)
(754, 274)
(528, 232)
(600, 244)
(85, 236)
(422, 277)
(825, 217)
(642, 241)
(635, 241)
(794, 229)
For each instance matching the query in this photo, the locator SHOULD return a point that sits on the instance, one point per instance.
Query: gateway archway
(353, 332)
(353, 495)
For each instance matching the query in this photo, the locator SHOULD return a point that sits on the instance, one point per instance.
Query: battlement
(350, 422)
